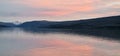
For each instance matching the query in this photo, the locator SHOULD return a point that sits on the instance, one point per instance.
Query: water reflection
(60, 48)
(49, 42)
(103, 33)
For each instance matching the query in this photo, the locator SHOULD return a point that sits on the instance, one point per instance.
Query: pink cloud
(65, 6)
(59, 9)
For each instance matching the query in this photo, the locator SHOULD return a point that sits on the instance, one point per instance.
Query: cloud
(11, 9)
(71, 8)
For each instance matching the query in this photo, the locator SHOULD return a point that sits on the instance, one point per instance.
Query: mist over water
(58, 42)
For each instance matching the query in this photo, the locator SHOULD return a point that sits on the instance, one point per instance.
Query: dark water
(56, 42)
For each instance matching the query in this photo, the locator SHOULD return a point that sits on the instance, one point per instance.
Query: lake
(56, 42)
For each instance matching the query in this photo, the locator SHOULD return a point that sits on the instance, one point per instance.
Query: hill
(3, 24)
(104, 22)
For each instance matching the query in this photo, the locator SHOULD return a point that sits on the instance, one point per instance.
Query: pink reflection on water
(59, 48)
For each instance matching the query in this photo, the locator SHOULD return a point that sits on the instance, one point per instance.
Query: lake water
(46, 42)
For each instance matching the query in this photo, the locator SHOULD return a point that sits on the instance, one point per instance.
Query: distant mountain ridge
(113, 21)
(3, 24)
(104, 22)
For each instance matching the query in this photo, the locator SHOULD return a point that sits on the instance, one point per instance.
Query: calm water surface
(18, 42)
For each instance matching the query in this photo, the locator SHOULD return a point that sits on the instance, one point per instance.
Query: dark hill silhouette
(36, 24)
(3, 24)
(104, 22)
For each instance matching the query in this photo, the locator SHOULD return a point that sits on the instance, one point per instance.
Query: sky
(56, 10)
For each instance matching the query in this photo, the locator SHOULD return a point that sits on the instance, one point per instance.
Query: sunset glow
(59, 27)
(57, 9)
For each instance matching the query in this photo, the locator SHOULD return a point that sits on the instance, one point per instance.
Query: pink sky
(58, 9)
